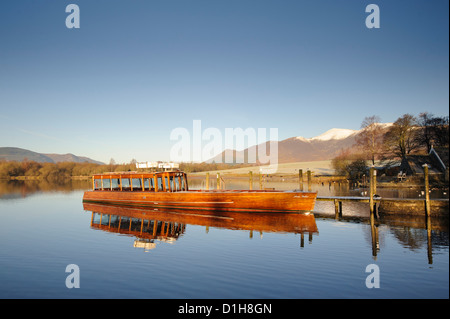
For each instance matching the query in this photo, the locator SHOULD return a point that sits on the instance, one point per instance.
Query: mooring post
(372, 183)
(374, 180)
(300, 179)
(218, 180)
(427, 190)
(337, 208)
(250, 180)
(309, 180)
(207, 180)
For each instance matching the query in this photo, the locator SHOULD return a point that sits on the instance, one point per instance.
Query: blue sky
(135, 70)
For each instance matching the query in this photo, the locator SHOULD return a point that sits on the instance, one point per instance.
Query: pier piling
(309, 180)
(427, 190)
(337, 208)
(300, 179)
(373, 186)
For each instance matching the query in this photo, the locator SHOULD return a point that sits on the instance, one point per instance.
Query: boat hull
(260, 201)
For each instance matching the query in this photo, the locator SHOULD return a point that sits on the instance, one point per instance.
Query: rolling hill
(19, 154)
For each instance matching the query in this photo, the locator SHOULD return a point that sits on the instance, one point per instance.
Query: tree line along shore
(31, 170)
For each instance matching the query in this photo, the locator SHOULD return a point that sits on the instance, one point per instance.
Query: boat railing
(135, 181)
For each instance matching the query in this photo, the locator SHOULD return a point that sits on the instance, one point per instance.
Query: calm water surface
(189, 256)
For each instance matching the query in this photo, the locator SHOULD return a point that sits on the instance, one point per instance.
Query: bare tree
(370, 139)
(433, 130)
(401, 138)
(425, 136)
(112, 163)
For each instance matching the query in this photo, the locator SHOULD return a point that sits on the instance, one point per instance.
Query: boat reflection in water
(150, 226)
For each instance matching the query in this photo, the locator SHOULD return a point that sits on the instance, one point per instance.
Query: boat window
(106, 183)
(183, 183)
(167, 184)
(171, 184)
(115, 183)
(97, 183)
(152, 184)
(160, 184)
(137, 185)
(177, 183)
(126, 184)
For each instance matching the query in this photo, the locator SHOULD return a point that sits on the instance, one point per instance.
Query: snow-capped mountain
(333, 134)
(325, 146)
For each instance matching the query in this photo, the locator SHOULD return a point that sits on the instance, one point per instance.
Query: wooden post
(336, 208)
(374, 180)
(207, 181)
(427, 191)
(309, 180)
(250, 180)
(300, 179)
(372, 169)
(218, 180)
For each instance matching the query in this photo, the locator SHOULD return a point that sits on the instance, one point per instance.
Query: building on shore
(437, 160)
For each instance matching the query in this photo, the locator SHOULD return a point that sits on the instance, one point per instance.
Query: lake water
(169, 255)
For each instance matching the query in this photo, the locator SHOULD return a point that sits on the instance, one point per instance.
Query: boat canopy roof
(138, 174)
(171, 181)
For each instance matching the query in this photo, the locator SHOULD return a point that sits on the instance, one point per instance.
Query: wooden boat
(170, 190)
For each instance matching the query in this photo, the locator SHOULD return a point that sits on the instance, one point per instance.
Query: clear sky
(135, 70)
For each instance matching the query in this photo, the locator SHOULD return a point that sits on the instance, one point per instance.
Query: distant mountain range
(19, 154)
(299, 149)
(295, 149)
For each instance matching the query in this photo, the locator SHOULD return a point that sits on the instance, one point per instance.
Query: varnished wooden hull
(220, 200)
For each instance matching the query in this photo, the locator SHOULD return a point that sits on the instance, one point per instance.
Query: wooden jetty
(396, 206)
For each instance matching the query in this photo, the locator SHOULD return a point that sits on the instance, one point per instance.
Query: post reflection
(151, 226)
(410, 231)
